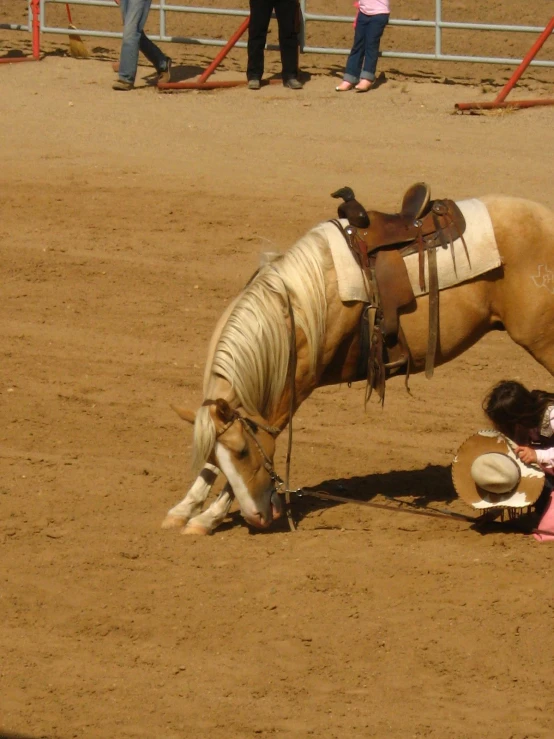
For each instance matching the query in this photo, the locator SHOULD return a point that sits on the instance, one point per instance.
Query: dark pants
(260, 15)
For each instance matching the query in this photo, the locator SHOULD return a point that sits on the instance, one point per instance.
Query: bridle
(251, 428)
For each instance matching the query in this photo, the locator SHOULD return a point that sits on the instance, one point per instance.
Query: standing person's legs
(373, 31)
(153, 53)
(135, 13)
(356, 57)
(285, 10)
(260, 15)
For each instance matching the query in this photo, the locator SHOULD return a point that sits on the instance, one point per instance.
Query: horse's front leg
(192, 503)
(210, 519)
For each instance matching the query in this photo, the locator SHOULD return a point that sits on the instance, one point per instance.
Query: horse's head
(243, 451)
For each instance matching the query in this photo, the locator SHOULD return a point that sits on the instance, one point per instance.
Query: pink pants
(545, 529)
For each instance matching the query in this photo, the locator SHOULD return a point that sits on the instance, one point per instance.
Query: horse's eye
(243, 453)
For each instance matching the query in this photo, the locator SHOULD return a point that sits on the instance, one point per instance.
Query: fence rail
(438, 24)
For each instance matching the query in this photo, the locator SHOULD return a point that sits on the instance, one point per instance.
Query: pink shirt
(374, 7)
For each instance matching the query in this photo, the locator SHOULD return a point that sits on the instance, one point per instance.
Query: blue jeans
(135, 13)
(362, 61)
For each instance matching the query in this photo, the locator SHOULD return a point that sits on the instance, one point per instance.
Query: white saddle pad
(453, 264)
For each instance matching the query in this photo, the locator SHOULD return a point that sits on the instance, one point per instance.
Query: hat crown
(492, 481)
(495, 472)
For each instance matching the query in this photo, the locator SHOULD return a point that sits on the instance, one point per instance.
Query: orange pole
(525, 62)
(201, 83)
(35, 26)
(500, 100)
(35, 9)
(225, 50)
(504, 104)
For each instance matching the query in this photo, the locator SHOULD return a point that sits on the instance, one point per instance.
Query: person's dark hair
(510, 404)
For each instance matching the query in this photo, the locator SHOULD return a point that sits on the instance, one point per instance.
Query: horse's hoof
(195, 529)
(173, 522)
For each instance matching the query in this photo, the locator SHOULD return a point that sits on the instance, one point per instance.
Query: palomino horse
(248, 392)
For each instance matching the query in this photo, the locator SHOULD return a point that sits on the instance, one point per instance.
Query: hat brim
(527, 490)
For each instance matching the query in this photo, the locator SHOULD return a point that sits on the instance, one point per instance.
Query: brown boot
(122, 85)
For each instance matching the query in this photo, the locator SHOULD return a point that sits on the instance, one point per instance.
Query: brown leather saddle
(380, 241)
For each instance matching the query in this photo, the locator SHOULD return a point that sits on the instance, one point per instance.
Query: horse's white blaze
(248, 507)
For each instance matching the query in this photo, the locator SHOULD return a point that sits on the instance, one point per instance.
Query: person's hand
(527, 454)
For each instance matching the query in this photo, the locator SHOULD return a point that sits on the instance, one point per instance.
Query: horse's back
(514, 213)
(524, 230)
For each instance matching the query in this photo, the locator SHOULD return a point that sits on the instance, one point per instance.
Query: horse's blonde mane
(251, 350)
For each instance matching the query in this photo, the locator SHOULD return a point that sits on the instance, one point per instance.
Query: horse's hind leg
(210, 519)
(192, 503)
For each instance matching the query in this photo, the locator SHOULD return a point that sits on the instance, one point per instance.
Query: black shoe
(293, 83)
(165, 74)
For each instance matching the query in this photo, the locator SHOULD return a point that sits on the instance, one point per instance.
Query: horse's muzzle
(275, 511)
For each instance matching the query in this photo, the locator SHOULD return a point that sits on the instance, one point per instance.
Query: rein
(417, 511)
(292, 402)
(411, 507)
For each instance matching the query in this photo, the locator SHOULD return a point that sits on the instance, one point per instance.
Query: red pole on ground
(504, 104)
(201, 83)
(499, 101)
(525, 62)
(225, 50)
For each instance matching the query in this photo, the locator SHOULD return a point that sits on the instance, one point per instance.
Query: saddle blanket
(452, 264)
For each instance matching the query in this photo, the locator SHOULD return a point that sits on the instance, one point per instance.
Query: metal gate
(437, 23)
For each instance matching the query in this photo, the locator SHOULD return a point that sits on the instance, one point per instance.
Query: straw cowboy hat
(487, 473)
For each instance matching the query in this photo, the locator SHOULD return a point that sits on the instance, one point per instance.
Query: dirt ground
(128, 222)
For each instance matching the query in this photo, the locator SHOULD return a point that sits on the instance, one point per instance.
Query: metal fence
(438, 24)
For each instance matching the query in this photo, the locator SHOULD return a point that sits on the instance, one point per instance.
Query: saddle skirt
(452, 263)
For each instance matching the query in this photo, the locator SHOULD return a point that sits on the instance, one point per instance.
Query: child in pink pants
(527, 417)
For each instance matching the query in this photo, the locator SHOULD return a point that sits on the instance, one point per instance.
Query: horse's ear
(184, 413)
(224, 410)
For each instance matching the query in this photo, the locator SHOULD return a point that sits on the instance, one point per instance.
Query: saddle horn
(351, 209)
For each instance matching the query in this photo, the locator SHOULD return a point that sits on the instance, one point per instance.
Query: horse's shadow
(428, 489)
(418, 488)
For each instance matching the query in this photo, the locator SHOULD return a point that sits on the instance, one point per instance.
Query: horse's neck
(336, 363)
(337, 359)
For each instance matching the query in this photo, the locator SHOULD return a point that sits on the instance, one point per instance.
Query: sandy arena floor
(128, 222)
